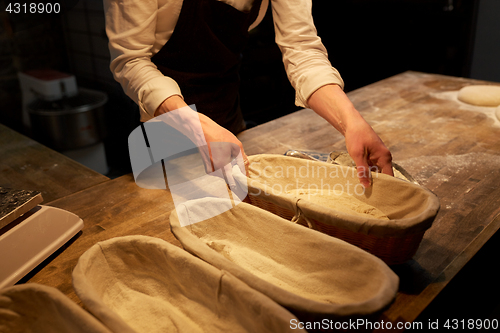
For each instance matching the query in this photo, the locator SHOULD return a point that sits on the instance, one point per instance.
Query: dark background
(367, 40)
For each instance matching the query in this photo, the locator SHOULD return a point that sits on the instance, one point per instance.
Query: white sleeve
(304, 55)
(134, 36)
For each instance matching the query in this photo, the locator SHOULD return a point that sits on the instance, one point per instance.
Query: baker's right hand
(222, 147)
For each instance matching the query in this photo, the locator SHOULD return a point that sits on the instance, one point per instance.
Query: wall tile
(76, 21)
(82, 65)
(97, 23)
(100, 47)
(96, 5)
(102, 69)
(80, 42)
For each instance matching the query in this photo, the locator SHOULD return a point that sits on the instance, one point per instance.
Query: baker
(168, 54)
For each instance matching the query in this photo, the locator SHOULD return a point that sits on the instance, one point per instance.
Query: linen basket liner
(35, 308)
(410, 208)
(310, 273)
(145, 284)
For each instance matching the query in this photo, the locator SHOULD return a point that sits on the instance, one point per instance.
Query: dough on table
(480, 95)
(340, 201)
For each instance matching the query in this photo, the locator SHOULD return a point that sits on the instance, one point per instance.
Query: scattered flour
(421, 168)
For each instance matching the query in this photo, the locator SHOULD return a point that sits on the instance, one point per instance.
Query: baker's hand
(367, 150)
(223, 148)
(218, 147)
(362, 143)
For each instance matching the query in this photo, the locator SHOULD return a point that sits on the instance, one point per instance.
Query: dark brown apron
(203, 56)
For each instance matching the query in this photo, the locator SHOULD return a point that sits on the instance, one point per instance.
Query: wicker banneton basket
(313, 275)
(145, 284)
(388, 219)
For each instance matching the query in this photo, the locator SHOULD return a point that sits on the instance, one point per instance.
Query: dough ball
(480, 95)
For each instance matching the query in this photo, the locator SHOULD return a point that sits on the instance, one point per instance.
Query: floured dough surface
(340, 201)
(480, 95)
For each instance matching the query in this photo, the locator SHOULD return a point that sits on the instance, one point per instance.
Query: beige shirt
(138, 29)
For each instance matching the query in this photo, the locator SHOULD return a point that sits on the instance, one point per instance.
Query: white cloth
(137, 30)
(136, 284)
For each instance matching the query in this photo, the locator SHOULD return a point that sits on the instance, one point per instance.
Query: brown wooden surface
(451, 148)
(27, 165)
(111, 209)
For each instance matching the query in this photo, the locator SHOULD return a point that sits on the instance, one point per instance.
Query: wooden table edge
(443, 279)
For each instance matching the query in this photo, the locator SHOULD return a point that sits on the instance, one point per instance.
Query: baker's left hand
(367, 150)
(362, 143)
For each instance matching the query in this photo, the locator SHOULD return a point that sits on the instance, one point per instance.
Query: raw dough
(480, 95)
(340, 201)
(497, 112)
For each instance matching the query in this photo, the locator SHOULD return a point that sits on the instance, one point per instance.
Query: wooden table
(27, 165)
(449, 147)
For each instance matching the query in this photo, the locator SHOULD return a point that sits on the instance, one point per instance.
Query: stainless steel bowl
(69, 123)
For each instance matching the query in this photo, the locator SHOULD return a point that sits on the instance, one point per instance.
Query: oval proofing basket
(388, 219)
(144, 284)
(36, 308)
(311, 274)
